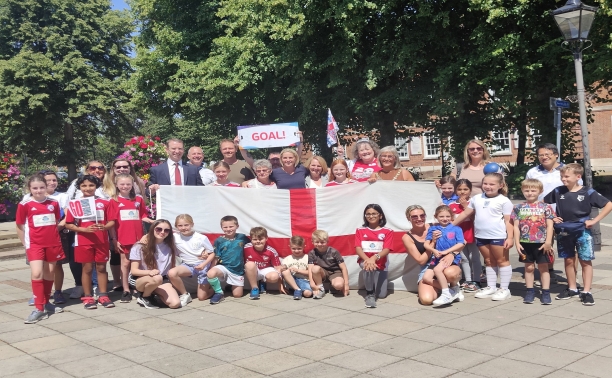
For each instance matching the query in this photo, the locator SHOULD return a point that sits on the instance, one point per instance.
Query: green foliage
(515, 176)
(62, 63)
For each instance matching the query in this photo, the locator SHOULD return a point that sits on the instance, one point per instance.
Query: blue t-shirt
(451, 236)
(231, 253)
(284, 180)
(447, 201)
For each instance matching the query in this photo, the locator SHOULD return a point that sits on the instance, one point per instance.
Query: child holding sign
(90, 218)
(42, 243)
(130, 211)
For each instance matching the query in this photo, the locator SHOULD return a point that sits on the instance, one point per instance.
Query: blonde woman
(475, 157)
(317, 167)
(291, 174)
(390, 167)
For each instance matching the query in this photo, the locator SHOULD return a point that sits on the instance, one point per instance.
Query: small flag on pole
(83, 208)
(332, 129)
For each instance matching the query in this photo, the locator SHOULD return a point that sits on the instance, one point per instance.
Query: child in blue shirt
(447, 187)
(447, 239)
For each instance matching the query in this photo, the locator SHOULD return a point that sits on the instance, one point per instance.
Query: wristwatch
(377, 256)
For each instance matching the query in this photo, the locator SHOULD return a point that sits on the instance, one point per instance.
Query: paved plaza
(332, 337)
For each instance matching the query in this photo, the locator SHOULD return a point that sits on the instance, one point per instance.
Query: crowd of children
(467, 227)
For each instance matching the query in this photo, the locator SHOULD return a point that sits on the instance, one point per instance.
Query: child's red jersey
(264, 259)
(128, 218)
(41, 219)
(373, 242)
(104, 215)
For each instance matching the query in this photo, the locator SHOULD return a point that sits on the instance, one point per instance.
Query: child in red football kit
(91, 245)
(130, 211)
(42, 242)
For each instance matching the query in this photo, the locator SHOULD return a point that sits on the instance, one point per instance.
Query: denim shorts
(482, 242)
(582, 242)
(201, 274)
(303, 284)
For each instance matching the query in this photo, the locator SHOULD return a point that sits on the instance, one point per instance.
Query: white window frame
(533, 135)
(426, 142)
(401, 145)
(496, 149)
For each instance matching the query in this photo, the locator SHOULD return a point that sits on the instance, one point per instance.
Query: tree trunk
(69, 151)
(386, 129)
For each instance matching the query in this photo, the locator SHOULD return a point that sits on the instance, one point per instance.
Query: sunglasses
(415, 217)
(474, 149)
(122, 167)
(96, 168)
(162, 230)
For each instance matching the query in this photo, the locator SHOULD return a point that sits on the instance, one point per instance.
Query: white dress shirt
(171, 169)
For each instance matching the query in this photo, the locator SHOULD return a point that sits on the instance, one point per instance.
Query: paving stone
(319, 369)
(439, 335)
(575, 310)
(357, 319)
(284, 321)
(505, 368)
(520, 332)
(75, 325)
(409, 368)
(67, 354)
(146, 324)
(15, 365)
(224, 371)
(544, 322)
(151, 352)
(87, 366)
(47, 372)
(306, 305)
(565, 374)
(46, 343)
(321, 329)
(105, 332)
(122, 342)
(403, 347)
(501, 315)
(428, 317)
(599, 330)
(188, 362)
(361, 360)
(596, 366)
(452, 358)
(234, 351)
(388, 310)
(30, 333)
(488, 345)
(279, 339)
(463, 374)
(200, 341)
(8, 351)
(245, 330)
(272, 362)
(358, 337)
(318, 349)
(568, 341)
(469, 324)
(395, 327)
(131, 372)
(170, 332)
(544, 355)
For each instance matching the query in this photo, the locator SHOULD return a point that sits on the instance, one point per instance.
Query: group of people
(474, 219)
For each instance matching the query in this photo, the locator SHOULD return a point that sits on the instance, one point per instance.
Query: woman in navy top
(291, 174)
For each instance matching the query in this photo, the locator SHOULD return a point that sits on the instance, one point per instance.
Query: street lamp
(574, 20)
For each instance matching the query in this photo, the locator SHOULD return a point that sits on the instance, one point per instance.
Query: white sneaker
(185, 299)
(443, 299)
(501, 294)
(485, 292)
(457, 294)
(321, 293)
(77, 292)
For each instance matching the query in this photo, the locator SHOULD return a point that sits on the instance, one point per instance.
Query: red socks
(38, 289)
(48, 288)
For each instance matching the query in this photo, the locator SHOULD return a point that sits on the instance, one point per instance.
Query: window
(431, 143)
(402, 148)
(535, 138)
(501, 142)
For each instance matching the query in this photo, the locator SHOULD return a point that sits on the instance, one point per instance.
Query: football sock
(215, 284)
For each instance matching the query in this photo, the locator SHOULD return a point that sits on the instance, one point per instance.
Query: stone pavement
(333, 337)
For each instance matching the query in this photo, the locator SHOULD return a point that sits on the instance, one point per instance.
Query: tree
(62, 67)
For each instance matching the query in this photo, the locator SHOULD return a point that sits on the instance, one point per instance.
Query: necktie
(177, 175)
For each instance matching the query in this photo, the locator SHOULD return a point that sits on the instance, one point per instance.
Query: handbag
(574, 228)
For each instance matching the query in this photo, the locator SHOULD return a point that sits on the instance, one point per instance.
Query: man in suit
(173, 171)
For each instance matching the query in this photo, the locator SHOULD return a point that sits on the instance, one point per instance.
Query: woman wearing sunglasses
(414, 242)
(475, 156)
(94, 168)
(150, 265)
(122, 166)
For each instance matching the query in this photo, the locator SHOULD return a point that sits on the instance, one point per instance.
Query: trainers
(537, 283)
(254, 293)
(262, 287)
(52, 309)
(146, 303)
(529, 296)
(457, 294)
(297, 295)
(77, 292)
(105, 301)
(216, 298)
(31, 301)
(587, 299)
(567, 294)
(370, 301)
(89, 303)
(545, 298)
(471, 287)
(501, 295)
(321, 293)
(36, 316)
(185, 299)
(58, 297)
(443, 300)
(485, 292)
(126, 297)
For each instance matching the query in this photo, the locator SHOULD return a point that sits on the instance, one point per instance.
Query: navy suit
(161, 176)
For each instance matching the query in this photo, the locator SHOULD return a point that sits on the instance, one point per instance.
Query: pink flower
(140, 154)
(132, 149)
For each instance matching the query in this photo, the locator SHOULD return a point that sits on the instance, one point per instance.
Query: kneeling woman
(150, 265)
(414, 241)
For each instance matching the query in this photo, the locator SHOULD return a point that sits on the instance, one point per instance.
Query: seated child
(261, 262)
(326, 264)
(450, 241)
(229, 260)
(295, 269)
